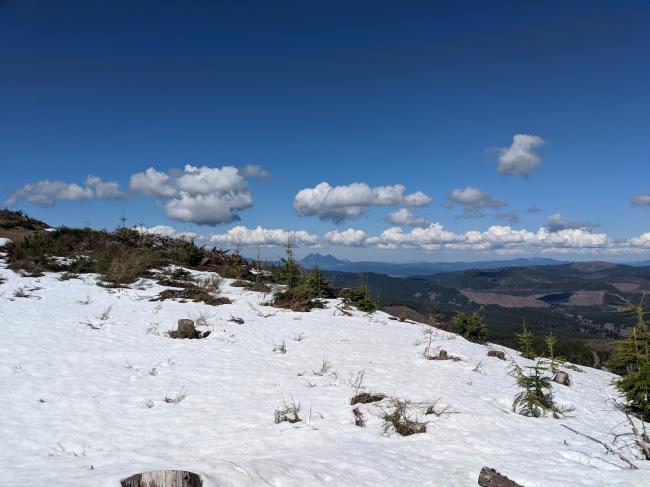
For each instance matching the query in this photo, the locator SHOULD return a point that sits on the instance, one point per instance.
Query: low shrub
(360, 298)
(471, 326)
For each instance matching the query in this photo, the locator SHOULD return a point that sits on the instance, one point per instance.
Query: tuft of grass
(289, 413)
(280, 347)
(179, 397)
(325, 368)
(21, 292)
(401, 417)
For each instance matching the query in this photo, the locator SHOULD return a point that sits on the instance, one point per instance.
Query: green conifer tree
(525, 340)
(290, 273)
(632, 358)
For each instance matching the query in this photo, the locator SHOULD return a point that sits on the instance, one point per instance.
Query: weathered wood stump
(491, 478)
(562, 378)
(163, 478)
(442, 355)
(186, 330)
(186, 327)
(497, 353)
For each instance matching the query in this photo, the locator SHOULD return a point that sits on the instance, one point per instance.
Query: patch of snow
(85, 405)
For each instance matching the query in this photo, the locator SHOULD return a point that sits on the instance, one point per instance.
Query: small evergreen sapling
(554, 362)
(535, 398)
(525, 340)
(290, 272)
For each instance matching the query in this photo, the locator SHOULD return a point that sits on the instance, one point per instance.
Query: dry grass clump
(204, 289)
(124, 266)
(366, 398)
(401, 416)
(259, 287)
(289, 413)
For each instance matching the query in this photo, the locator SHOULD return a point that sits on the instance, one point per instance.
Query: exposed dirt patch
(15, 225)
(587, 298)
(259, 287)
(191, 294)
(504, 300)
(406, 313)
(626, 287)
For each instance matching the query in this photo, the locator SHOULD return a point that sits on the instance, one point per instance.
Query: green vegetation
(535, 398)
(525, 341)
(120, 257)
(360, 298)
(632, 357)
(471, 326)
(554, 361)
(305, 290)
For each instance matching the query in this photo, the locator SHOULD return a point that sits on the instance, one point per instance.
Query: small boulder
(562, 378)
(497, 353)
(491, 478)
(442, 355)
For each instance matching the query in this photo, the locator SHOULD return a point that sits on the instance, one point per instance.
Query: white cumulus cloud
(242, 236)
(406, 217)
(339, 203)
(641, 200)
(46, 193)
(254, 171)
(642, 241)
(167, 231)
(556, 222)
(473, 200)
(105, 189)
(521, 158)
(203, 195)
(503, 239)
(348, 238)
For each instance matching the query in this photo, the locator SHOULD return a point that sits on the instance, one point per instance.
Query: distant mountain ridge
(330, 263)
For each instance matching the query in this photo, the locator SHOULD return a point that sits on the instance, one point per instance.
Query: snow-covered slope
(84, 406)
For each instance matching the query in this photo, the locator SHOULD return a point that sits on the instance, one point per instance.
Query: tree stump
(163, 478)
(185, 330)
(442, 355)
(491, 478)
(186, 327)
(562, 378)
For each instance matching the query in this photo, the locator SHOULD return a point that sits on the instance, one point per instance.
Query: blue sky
(423, 95)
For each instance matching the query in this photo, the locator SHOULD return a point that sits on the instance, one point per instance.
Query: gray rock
(491, 478)
(497, 353)
(562, 378)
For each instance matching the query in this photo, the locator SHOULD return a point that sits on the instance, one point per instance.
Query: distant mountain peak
(316, 259)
